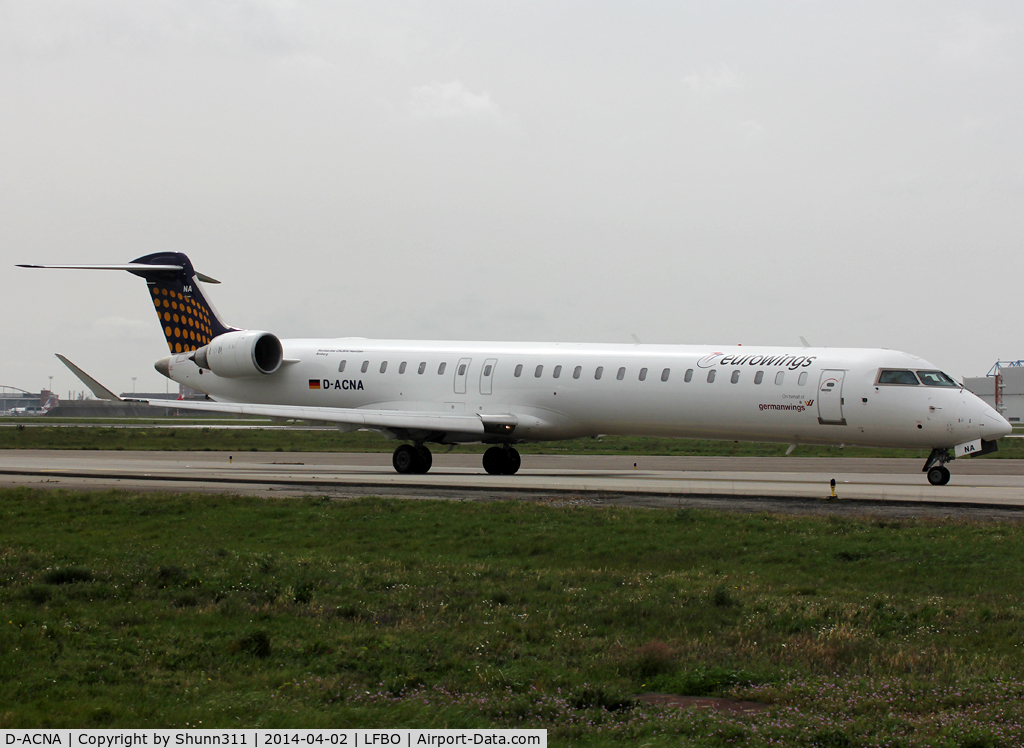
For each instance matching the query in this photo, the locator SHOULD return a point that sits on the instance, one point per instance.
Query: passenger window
(557, 372)
(383, 366)
(519, 369)
(897, 376)
(576, 372)
(487, 370)
(664, 374)
(936, 379)
(440, 369)
(779, 377)
(365, 366)
(688, 377)
(759, 377)
(643, 374)
(802, 379)
(711, 375)
(341, 366)
(621, 373)
(401, 367)
(422, 368)
(538, 371)
(462, 370)
(735, 376)
(598, 372)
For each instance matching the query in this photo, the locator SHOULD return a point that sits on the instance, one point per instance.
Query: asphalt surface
(979, 488)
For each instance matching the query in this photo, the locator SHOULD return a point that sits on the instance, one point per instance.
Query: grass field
(175, 610)
(280, 440)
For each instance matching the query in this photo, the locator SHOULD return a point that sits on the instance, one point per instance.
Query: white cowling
(243, 353)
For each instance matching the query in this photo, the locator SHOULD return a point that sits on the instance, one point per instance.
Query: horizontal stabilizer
(97, 389)
(129, 266)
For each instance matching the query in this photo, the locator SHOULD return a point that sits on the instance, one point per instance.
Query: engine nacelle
(243, 353)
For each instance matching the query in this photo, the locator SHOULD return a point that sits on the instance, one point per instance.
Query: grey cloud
(452, 99)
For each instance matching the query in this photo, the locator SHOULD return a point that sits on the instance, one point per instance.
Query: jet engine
(243, 353)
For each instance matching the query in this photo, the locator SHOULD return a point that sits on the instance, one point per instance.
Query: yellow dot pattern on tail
(186, 324)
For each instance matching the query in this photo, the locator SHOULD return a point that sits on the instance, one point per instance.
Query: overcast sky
(713, 172)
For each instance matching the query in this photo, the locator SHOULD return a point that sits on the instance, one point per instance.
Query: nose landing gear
(935, 467)
(938, 475)
(409, 459)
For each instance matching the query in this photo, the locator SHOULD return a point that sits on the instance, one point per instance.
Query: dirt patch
(727, 706)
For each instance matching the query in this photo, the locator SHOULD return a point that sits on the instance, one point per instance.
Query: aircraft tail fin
(188, 319)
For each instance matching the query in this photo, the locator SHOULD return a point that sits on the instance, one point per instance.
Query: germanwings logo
(798, 407)
(787, 360)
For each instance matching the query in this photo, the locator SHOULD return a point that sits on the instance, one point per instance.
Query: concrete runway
(774, 484)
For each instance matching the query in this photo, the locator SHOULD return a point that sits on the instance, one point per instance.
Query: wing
(501, 424)
(97, 389)
(479, 423)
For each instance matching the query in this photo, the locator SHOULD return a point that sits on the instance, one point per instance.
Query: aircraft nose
(993, 425)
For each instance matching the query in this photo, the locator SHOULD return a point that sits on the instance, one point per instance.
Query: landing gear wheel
(502, 461)
(494, 461)
(938, 475)
(405, 459)
(425, 459)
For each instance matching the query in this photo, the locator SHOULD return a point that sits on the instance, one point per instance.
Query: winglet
(97, 389)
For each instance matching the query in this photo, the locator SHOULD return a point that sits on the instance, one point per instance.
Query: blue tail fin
(188, 319)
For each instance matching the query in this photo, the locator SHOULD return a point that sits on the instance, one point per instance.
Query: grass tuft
(69, 575)
(256, 644)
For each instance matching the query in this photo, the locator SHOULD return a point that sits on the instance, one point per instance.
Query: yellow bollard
(833, 488)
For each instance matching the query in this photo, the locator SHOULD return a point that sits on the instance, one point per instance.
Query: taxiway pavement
(651, 481)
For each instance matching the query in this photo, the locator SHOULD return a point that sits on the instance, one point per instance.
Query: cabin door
(830, 397)
(487, 376)
(461, 372)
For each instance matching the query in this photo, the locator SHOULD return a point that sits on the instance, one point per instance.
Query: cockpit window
(936, 379)
(896, 376)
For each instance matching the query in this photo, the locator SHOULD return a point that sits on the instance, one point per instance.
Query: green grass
(277, 440)
(160, 610)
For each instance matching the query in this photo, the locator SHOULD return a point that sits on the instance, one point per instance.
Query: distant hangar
(1003, 389)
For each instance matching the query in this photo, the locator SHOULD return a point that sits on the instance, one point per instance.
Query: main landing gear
(410, 459)
(502, 461)
(935, 466)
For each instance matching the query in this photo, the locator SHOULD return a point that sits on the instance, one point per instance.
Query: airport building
(1003, 389)
(16, 401)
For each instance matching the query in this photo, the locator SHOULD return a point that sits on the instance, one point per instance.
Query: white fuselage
(802, 395)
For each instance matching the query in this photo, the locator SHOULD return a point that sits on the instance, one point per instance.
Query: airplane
(502, 394)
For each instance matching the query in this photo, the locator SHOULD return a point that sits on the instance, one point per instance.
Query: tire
(938, 475)
(513, 460)
(494, 461)
(405, 459)
(425, 460)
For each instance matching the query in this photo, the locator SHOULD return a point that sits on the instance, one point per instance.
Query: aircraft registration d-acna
(452, 392)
